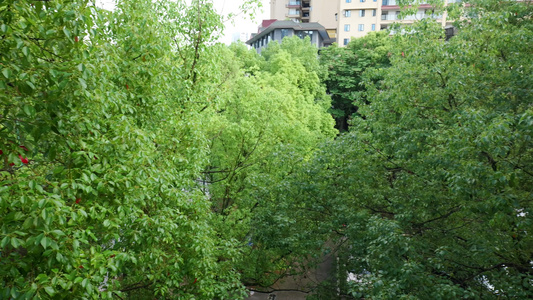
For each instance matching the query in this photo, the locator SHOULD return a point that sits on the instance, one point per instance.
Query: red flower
(24, 147)
(24, 160)
(1, 152)
(12, 164)
(127, 86)
(112, 256)
(81, 267)
(78, 200)
(195, 279)
(403, 54)
(76, 39)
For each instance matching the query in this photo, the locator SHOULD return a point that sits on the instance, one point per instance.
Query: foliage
(429, 195)
(272, 113)
(102, 136)
(346, 68)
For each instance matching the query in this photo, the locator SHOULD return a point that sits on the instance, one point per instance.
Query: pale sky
(242, 23)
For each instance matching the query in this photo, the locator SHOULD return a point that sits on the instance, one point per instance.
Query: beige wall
(354, 20)
(278, 9)
(323, 12)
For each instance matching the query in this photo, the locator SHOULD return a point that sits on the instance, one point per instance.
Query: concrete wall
(323, 12)
(278, 9)
(354, 20)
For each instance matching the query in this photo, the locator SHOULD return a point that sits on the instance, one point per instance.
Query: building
(272, 30)
(344, 19)
(307, 11)
(356, 18)
(240, 36)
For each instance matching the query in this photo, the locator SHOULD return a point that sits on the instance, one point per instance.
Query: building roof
(266, 23)
(290, 25)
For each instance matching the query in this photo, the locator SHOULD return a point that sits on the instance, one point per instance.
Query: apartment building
(359, 17)
(344, 19)
(307, 11)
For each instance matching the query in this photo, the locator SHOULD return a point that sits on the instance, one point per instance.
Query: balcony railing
(417, 16)
(295, 2)
(389, 2)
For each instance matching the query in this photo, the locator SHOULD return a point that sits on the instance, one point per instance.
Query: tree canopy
(429, 194)
(136, 162)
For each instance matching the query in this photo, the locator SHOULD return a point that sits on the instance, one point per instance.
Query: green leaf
(58, 232)
(85, 282)
(83, 83)
(52, 152)
(6, 72)
(67, 32)
(15, 242)
(29, 110)
(45, 242)
(5, 241)
(50, 290)
(30, 84)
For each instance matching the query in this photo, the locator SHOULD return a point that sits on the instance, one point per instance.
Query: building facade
(307, 11)
(277, 30)
(345, 19)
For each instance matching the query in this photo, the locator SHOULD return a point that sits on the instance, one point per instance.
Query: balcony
(293, 13)
(418, 16)
(294, 4)
(395, 3)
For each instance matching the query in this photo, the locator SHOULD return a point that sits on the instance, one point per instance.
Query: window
(362, 13)
(362, 0)
(346, 41)
(303, 33)
(361, 27)
(347, 27)
(373, 27)
(294, 11)
(284, 33)
(347, 13)
(373, 13)
(375, 0)
(348, 1)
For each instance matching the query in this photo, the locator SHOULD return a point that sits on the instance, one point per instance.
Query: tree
(346, 68)
(429, 195)
(271, 115)
(102, 138)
